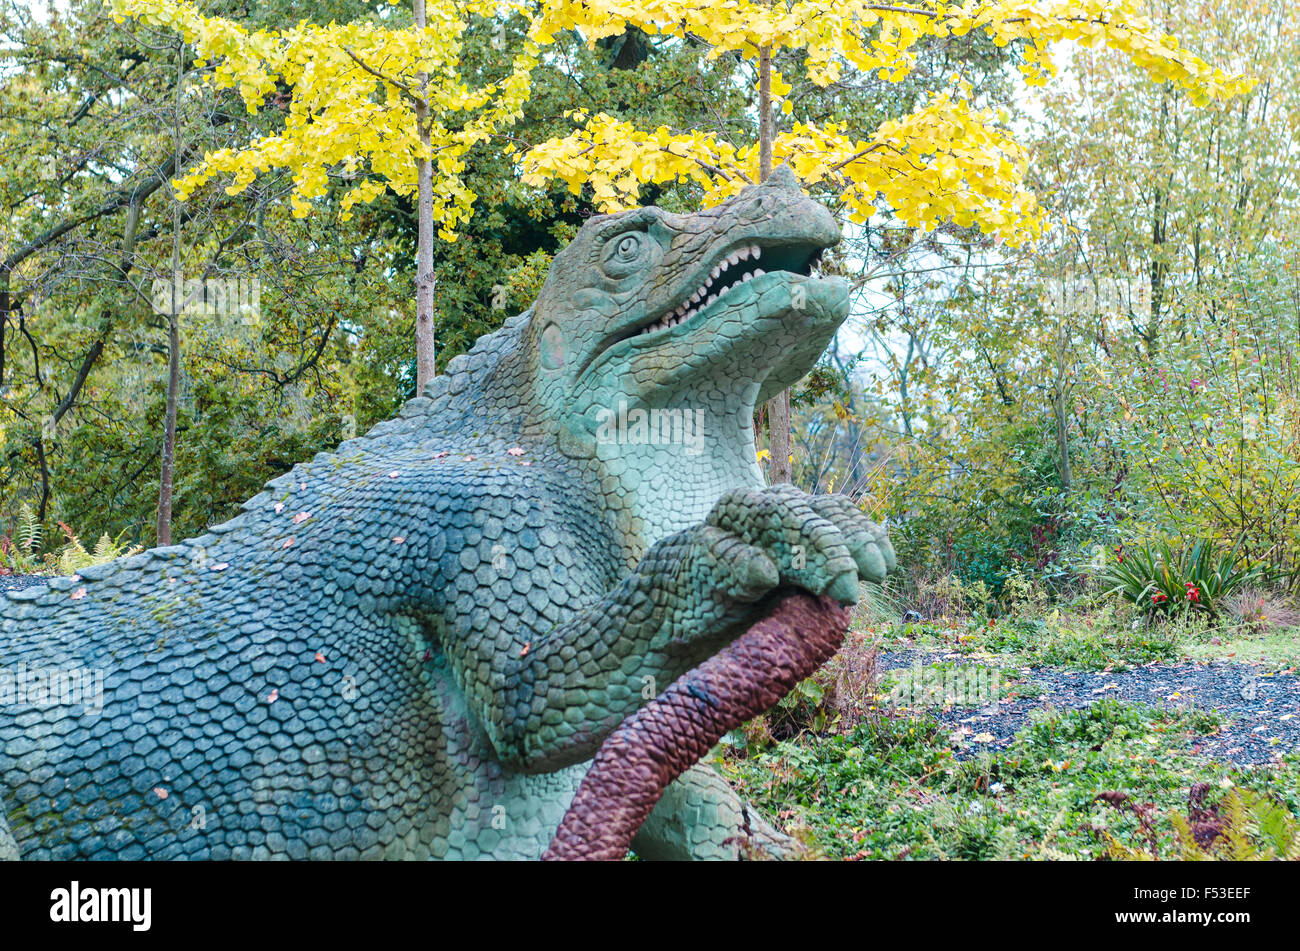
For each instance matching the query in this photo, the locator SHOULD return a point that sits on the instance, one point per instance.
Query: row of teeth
(702, 298)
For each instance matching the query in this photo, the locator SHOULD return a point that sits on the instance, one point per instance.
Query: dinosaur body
(411, 647)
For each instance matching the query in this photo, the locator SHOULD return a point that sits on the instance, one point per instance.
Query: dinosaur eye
(627, 247)
(626, 253)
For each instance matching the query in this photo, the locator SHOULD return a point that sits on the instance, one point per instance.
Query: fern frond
(28, 535)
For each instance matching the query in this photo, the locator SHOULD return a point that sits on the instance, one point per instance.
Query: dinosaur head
(713, 311)
(656, 335)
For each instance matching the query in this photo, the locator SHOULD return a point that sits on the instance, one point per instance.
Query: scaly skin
(413, 646)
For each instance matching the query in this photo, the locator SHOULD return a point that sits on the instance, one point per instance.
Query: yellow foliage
(355, 87)
(945, 162)
(354, 92)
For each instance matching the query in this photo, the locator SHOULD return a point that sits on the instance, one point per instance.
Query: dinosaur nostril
(760, 207)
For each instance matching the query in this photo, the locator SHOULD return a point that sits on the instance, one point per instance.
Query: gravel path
(17, 582)
(1260, 708)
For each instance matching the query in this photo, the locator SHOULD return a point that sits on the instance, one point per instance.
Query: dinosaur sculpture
(413, 646)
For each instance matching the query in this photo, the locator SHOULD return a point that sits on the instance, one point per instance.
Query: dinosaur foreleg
(551, 700)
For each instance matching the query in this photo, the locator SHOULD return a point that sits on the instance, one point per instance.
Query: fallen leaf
(527, 648)
(273, 696)
(983, 737)
(279, 507)
(78, 594)
(221, 566)
(515, 451)
(320, 658)
(160, 792)
(394, 474)
(399, 539)
(287, 542)
(301, 517)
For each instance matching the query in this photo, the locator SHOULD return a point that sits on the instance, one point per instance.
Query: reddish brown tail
(668, 735)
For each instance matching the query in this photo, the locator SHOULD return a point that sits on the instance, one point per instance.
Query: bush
(1160, 580)
(1261, 612)
(1246, 826)
(18, 550)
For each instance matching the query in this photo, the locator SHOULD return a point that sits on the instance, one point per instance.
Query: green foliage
(1245, 826)
(1160, 579)
(28, 534)
(891, 787)
(1109, 646)
(21, 553)
(74, 556)
(18, 549)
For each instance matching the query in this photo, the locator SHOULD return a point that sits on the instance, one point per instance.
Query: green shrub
(1246, 826)
(1162, 580)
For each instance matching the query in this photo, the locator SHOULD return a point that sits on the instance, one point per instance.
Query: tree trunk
(169, 428)
(1062, 391)
(765, 132)
(778, 407)
(425, 343)
(669, 734)
(167, 475)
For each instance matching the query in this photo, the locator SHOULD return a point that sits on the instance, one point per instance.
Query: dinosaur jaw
(679, 400)
(754, 334)
(691, 311)
(729, 273)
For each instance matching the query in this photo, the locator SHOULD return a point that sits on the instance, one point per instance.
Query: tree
(361, 95)
(85, 126)
(86, 220)
(946, 162)
(1181, 240)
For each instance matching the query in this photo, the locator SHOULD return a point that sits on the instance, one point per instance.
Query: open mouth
(734, 269)
(739, 267)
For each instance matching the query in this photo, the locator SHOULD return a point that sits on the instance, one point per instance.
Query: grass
(1102, 639)
(890, 787)
(1074, 642)
(1281, 649)
(855, 768)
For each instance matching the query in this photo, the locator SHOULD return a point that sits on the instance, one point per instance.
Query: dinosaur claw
(844, 588)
